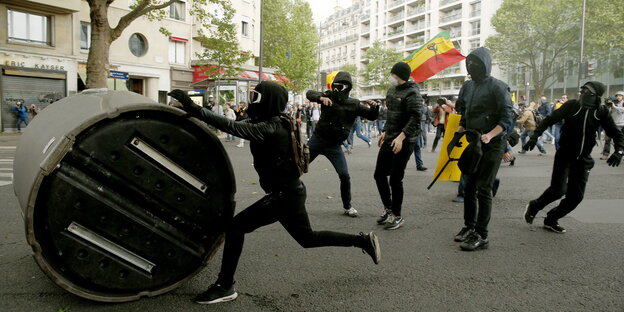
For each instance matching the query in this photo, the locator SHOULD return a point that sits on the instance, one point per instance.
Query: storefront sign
(196, 92)
(36, 66)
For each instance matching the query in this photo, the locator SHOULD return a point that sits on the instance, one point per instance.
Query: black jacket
(485, 104)
(269, 138)
(404, 104)
(336, 120)
(578, 133)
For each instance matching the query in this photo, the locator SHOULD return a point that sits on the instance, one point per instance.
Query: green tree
(541, 36)
(103, 35)
(353, 70)
(290, 40)
(221, 50)
(380, 62)
(534, 35)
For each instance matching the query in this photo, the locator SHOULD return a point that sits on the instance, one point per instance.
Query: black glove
(530, 145)
(615, 159)
(187, 104)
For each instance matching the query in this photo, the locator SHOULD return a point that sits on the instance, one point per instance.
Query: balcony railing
(396, 32)
(475, 13)
(415, 10)
(452, 17)
(416, 27)
(394, 3)
(396, 17)
(414, 43)
(445, 2)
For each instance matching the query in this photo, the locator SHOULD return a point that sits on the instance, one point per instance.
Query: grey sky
(324, 8)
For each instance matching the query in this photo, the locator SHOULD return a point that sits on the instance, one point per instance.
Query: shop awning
(202, 73)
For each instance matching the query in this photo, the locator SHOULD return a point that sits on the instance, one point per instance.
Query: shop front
(33, 81)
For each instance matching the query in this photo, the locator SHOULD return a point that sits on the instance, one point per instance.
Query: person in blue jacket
(22, 114)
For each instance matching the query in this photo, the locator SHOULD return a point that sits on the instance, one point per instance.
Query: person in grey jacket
(485, 105)
(616, 110)
(397, 143)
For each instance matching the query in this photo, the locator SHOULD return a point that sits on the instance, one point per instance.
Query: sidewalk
(9, 138)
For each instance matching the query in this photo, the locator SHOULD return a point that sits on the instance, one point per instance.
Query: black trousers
(389, 173)
(335, 155)
(439, 134)
(478, 187)
(286, 206)
(569, 178)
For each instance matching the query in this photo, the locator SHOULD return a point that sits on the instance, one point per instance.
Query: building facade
(405, 25)
(45, 46)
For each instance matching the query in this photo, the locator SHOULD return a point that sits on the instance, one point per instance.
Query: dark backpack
(301, 152)
(537, 117)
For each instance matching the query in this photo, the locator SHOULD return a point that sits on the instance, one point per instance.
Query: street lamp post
(578, 81)
(261, 42)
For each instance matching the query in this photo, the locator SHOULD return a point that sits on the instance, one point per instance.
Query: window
(474, 44)
(85, 35)
(29, 28)
(176, 10)
(245, 28)
(137, 44)
(475, 9)
(177, 52)
(476, 28)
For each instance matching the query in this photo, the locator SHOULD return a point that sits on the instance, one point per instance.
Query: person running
(397, 143)
(284, 202)
(573, 160)
(485, 107)
(338, 114)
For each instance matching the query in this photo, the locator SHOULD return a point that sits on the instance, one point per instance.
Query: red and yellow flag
(434, 56)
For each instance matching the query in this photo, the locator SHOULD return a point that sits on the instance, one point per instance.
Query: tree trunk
(101, 39)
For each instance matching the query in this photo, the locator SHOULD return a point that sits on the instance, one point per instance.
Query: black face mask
(588, 99)
(339, 91)
(475, 69)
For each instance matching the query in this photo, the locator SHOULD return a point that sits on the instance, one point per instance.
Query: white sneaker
(240, 145)
(351, 212)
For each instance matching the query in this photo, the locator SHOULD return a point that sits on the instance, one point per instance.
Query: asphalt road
(422, 269)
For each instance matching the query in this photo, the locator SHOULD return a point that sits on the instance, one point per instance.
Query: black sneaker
(474, 242)
(216, 294)
(529, 214)
(463, 234)
(371, 246)
(385, 218)
(553, 226)
(421, 168)
(397, 222)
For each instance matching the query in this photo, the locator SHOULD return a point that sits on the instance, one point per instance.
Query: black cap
(595, 87)
(402, 70)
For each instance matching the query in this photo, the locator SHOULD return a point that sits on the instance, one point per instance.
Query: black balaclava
(591, 99)
(340, 87)
(272, 102)
(479, 64)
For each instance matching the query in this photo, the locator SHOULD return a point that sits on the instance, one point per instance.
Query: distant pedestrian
(22, 114)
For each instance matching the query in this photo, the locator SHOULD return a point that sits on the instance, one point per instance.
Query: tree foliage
(221, 49)
(290, 41)
(103, 34)
(381, 60)
(540, 37)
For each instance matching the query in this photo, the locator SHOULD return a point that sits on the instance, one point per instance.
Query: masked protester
(397, 143)
(485, 105)
(573, 159)
(338, 114)
(270, 145)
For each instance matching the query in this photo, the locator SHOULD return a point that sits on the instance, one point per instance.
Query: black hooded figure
(270, 145)
(573, 160)
(485, 105)
(338, 113)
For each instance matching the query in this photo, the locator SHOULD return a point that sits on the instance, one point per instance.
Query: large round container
(122, 197)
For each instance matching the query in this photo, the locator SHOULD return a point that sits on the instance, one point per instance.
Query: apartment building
(406, 25)
(44, 45)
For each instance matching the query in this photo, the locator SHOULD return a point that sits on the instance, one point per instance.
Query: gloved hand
(187, 104)
(530, 145)
(615, 159)
(456, 139)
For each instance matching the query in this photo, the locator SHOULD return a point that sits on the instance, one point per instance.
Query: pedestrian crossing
(7, 155)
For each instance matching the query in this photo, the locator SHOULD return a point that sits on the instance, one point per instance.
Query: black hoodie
(336, 120)
(484, 102)
(269, 137)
